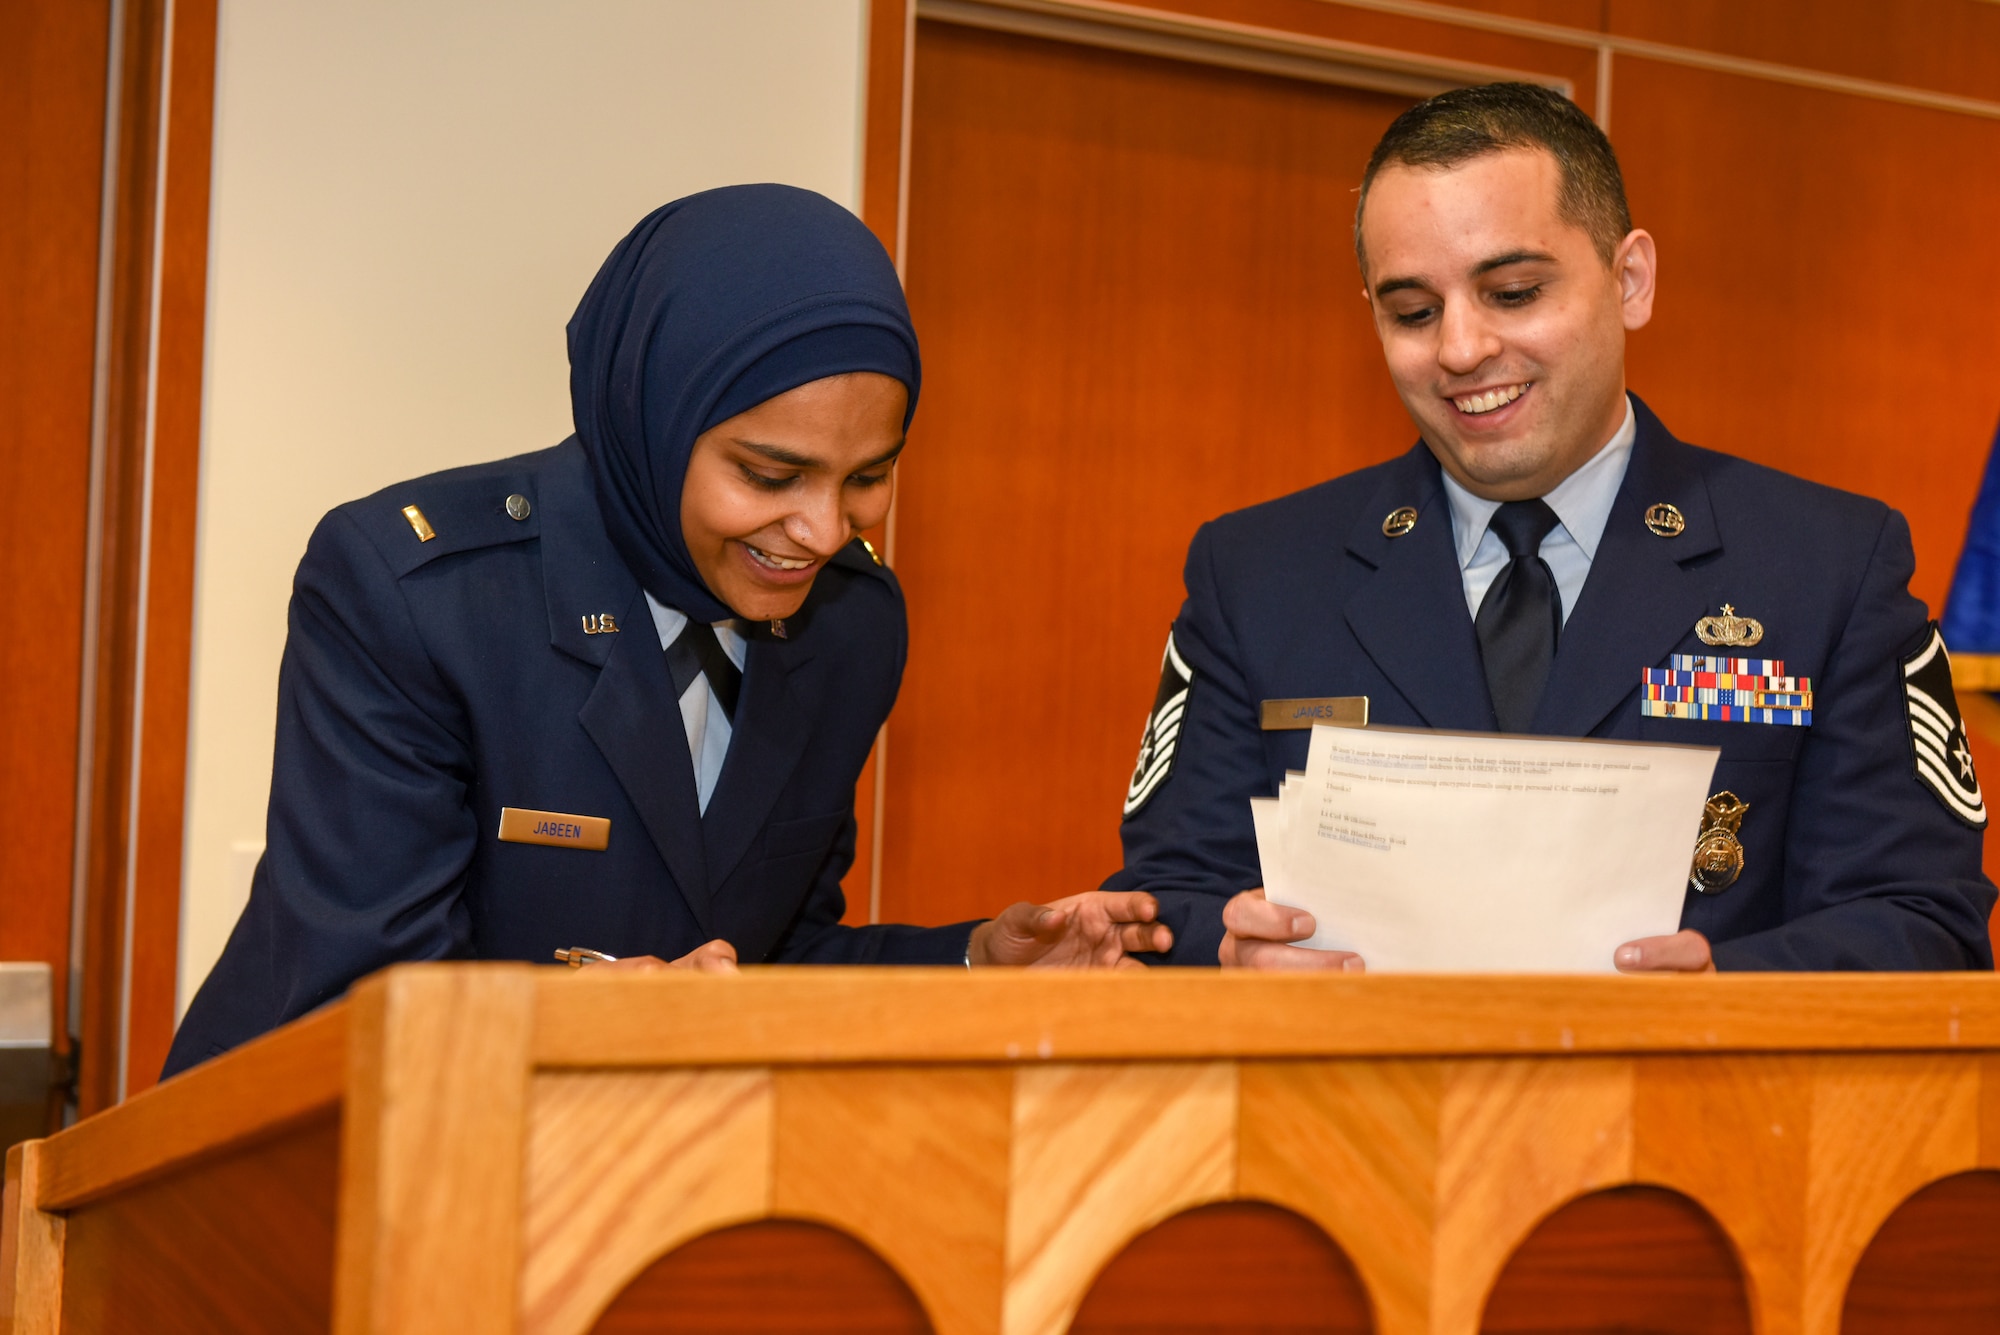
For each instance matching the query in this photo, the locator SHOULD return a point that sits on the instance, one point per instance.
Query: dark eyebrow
(778, 454)
(1512, 257)
(1388, 285)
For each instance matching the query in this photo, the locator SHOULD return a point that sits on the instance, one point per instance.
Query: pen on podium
(578, 956)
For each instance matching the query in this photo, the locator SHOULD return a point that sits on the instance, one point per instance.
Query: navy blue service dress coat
(427, 684)
(1851, 861)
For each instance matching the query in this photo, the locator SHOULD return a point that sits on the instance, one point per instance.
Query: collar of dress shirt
(1582, 501)
(668, 621)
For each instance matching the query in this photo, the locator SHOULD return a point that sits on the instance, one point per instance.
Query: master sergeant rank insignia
(1938, 745)
(1161, 739)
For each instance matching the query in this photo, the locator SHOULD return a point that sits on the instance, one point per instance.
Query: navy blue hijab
(711, 305)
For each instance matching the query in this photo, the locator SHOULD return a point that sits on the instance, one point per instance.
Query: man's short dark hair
(1466, 123)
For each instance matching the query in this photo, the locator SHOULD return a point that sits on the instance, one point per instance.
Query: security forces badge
(1938, 745)
(1161, 739)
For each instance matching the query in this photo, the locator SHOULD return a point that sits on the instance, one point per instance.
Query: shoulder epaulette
(416, 522)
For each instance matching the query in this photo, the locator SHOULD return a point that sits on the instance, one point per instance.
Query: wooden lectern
(475, 1149)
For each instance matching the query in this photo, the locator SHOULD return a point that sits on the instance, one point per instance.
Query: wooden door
(1136, 287)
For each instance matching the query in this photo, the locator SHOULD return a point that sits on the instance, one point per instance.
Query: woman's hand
(716, 956)
(1100, 929)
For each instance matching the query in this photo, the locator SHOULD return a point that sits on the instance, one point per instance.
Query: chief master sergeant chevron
(1540, 563)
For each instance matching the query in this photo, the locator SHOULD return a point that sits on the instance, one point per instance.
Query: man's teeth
(776, 562)
(1491, 399)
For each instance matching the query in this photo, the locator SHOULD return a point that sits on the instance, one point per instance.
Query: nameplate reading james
(518, 825)
(1342, 711)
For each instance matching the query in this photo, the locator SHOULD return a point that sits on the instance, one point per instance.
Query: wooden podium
(475, 1149)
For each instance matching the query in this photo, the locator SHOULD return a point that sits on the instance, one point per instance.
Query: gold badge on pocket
(558, 829)
(1718, 853)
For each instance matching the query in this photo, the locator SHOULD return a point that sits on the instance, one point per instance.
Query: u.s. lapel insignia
(1729, 629)
(1665, 519)
(1718, 852)
(778, 631)
(1938, 745)
(1399, 521)
(600, 623)
(1161, 739)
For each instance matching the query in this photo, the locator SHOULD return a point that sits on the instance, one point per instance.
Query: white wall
(410, 196)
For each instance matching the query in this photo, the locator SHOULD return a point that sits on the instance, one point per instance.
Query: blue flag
(1972, 609)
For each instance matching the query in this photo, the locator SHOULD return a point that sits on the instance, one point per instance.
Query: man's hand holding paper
(1425, 851)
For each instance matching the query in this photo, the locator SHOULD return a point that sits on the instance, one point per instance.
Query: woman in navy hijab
(614, 696)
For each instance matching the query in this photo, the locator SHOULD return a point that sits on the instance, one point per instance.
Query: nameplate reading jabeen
(519, 825)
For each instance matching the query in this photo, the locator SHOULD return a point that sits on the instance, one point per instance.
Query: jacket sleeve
(1879, 875)
(817, 936)
(371, 755)
(1189, 839)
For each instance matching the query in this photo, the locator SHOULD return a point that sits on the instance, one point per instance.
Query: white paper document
(1468, 852)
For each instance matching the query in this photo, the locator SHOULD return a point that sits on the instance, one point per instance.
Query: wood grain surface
(913, 1163)
(1101, 1153)
(31, 1249)
(53, 56)
(1353, 1146)
(772, 1277)
(1734, 1134)
(434, 1150)
(1636, 1258)
(861, 1014)
(1516, 1139)
(239, 1245)
(288, 1075)
(1882, 1128)
(1223, 1268)
(624, 1166)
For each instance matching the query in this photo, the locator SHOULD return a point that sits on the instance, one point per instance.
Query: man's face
(1503, 328)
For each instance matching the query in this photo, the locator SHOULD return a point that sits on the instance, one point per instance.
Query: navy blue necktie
(1521, 616)
(698, 652)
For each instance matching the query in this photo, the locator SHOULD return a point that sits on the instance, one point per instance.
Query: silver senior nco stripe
(1938, 744)
(1161, 738)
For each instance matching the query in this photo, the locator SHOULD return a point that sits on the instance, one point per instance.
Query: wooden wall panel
(1139, 309)
(1824, 267)
(53, 57)
(1949, 46)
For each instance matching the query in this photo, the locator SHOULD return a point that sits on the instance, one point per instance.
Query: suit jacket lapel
(632, 717)
(1640, 599)
(772, 726)
(1409, 614)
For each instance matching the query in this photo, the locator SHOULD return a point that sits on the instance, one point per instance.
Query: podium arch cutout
(1933, 1267)
(765, 1276)
(1228, 1266)
(1632, 1257)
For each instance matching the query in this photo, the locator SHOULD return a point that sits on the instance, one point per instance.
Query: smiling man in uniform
(1549, 559)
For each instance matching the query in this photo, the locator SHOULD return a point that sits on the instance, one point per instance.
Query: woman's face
(772, 493)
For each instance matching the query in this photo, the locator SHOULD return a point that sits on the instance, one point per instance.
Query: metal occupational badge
(1729, 629)
(1938, 745)
(1160, 740)
(1718, 853)
(1665, 520)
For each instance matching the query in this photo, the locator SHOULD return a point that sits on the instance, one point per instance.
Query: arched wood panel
(1140, 308)
(1231, 1266)
(1934, 1267)
(1638, 1259)
(771, 1277)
